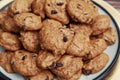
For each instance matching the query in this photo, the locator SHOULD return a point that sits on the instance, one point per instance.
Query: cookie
(30, 40)
(10, 26)
(101, 24)
(43, 75)
(19, 6)
(81, 42)
(67, 67)
(109, 36)
(46, 60)
(82, 11)
(5, 61)
(3, 15)
(56, 9)
(38, 8)
(75, 77)
(93, 66)
(28, 21)
(24, 63)
(9, 41)
(96, 48)
(55, 37)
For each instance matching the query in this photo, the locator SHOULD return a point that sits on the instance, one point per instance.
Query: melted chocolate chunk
(65, 39)
(53, 65)
(24, 57)
(53, 12)
(86, 72)
(60, 3)
(59, 64)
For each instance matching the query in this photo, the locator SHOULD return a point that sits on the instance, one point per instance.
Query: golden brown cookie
(81, 42)
(46, 60)
(38, 8)
(101, 24)
(75, 76)
(30, 40)
(110, 36)
(5, 61)
(42, 75)
(9, 41)
(19, 6)
(96, 48)
(82, 11)
(55, 37)
(96, 64)
(28, 21)
(24, 63)
(56, 9)
(67, 67)
(3, 15)
(9, 25)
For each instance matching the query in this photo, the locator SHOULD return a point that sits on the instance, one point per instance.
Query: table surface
(114, 3)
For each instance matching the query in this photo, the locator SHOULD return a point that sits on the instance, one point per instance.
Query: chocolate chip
(53, 12)
(24, 57)
(86, 72)
(47, 78)
(88, 55)
(53, 65)
(17, 12)
(11, 62)
(59, 64)
(60, 3)
(65, 39)
(48, 4)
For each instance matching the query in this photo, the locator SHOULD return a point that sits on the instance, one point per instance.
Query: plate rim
(106, 71)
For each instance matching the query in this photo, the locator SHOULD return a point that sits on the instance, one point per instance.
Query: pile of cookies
(54, 38)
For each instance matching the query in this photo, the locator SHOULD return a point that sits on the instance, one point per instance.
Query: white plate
(112, 51)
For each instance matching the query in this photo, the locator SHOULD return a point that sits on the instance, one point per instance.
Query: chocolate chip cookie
(30, 40)
(81, 42)
(19, 6)
(10, 26)
(5, 61)
(101, 24)
(38, 7)
(3, 16)
(9, 41)
(56, 9)
(81, 11)
(109, 36)
(75, 77)
(47, 60)
(68, 66)
(28, 21)
(43, 75)
(24, 63)
(96, 48)
(55, 37)
(93, 66)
